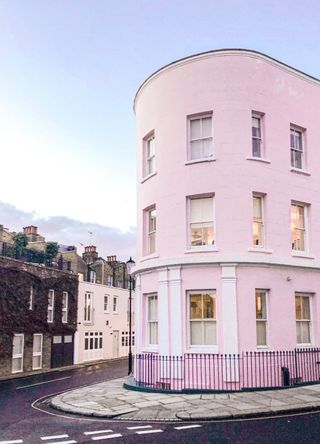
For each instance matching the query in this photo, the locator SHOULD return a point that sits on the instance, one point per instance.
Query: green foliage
(51, 249)
(20, 240)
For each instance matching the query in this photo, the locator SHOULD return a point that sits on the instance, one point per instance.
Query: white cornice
(223, 53)
(212, 259)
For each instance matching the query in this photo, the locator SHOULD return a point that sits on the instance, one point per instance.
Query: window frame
(150, 231)
(31, 298)
(204, 247)
(150, 323)
(149, 159)
(262, 320)
(260, 117)
(308, 296)
(64, 315)
(115, 306)
(191, 118)
(206, 348)
(304, 229)
(88, 308)
(50, 313)
(261, 197)
(106, 306)
(36, 354)
(293, 149)
(18, 355)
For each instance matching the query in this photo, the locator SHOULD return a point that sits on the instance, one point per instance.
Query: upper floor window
(303, 318)
(88, 307)
(92, 276)
(149, 156)
(261, 317)
(203, 317)
(152, 319)
(50, 305)
(151, 230)
(115, 304)
(296, 147)
(110, 280)
(106, 303)
(200, 137)
(201, 221)
(64, 307)
(31, 298)
(298, 227)
(258, 221)
(256, 135)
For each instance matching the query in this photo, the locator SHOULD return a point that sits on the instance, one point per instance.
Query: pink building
(228, 203)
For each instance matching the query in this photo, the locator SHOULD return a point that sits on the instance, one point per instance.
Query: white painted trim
(228, 301)
(260, 250)
(258, 159)
(144, 179)
(204, 160)
(163, 313)
(297, 170)
(175, 311)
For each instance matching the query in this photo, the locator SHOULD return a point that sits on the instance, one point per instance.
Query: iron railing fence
(221, 372)
(33, 256)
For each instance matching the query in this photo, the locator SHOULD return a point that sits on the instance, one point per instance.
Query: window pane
(256, 147)
(305, 332)
(261, 333)
(210, 333)
(207, 236)
(207, 127)
(257, 233)
(16, 364)
(68, 339)
(36, 362)
(305, 308)
(196, 149)
(195, 306)
(206, 148)
(153, 332)
(152, 308)
(17, 345)
(261, 305)
(57, 339)
(196, 330)
(37, 343)
(195, 129)
(208, 306)
(256, 127)
(257, 211)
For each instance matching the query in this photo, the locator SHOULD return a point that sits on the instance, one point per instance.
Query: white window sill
(207, 159)
(297, 170)
(258, 159)
(149, 349)
(206, 349)
(150, 256)
(263, 348)
(299, 346)
(148, 177)
(115, 312)
(260, 250)
(301, 254)
(201, 250)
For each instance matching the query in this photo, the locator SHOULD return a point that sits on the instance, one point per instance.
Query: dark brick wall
(16, 278)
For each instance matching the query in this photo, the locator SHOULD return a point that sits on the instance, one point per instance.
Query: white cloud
(108, 240)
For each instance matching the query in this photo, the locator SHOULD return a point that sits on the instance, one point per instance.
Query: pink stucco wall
(231, 84)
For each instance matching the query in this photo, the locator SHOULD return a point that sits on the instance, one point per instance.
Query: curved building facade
(228, 207)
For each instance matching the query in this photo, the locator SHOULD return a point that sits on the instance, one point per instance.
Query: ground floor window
(202, 317)
(125, 340)
(37, 351)
(261, 317)
(303, 318)
(93, 340)
(17, 353)
(152, 319)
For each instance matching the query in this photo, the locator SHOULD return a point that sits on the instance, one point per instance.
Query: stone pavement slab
(111, 400)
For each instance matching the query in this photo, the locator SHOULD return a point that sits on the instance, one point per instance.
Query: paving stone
(170, 400)
(146, 404)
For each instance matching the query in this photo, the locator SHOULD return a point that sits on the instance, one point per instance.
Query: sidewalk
(111, 400)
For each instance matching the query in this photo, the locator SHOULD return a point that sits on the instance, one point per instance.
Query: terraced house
(228, 269)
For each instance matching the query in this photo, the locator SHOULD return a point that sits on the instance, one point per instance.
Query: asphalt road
(21, 423)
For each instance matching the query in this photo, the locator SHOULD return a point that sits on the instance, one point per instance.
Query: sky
(69, 70)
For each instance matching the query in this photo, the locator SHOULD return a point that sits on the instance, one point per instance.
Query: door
(115, 348)
(61, 350)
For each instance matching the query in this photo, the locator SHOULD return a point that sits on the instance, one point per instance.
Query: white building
(103, 323)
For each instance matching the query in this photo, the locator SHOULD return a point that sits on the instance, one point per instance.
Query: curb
(57, 404)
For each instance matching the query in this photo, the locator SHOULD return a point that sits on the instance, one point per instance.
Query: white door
(115, 348)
